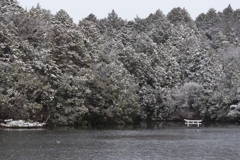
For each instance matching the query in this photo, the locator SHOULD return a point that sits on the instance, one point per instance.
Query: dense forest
(114, 71)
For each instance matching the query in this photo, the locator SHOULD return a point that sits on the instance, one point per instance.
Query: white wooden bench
(197, 122)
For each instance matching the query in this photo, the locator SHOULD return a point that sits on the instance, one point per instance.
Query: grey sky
(128, 9)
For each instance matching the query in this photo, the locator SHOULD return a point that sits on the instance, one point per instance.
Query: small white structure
(197, 122)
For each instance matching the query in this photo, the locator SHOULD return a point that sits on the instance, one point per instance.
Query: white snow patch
(21, 124)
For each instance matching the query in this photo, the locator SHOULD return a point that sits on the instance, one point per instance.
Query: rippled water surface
(159, 141)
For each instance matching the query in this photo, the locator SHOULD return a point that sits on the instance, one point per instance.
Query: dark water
(158, 141)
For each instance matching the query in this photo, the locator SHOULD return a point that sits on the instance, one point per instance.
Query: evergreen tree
(62, 17)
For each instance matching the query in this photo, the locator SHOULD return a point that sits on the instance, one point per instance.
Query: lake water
(156, 141)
